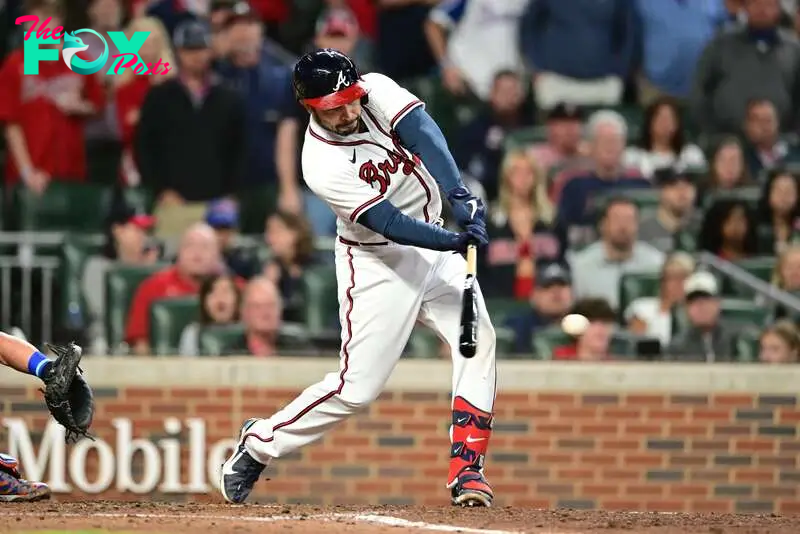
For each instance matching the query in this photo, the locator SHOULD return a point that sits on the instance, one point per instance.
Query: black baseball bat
(469, 308)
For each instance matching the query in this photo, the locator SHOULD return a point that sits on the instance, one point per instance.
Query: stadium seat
(139, 198)
(423, 344)
(217, 340)
(76, 250)
(501, 309)
(749, 195)
(744, 312)
(761, 267)
(635, 285)
(121, 284)
(168, 318)
(64, 206)
(645, 199)
(747, 346)
(686, 241)
(546, 340)
(321, 299)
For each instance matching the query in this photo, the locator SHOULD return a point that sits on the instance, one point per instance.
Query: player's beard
(349, 128)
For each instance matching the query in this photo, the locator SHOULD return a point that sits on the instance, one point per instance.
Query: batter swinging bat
(469, 307)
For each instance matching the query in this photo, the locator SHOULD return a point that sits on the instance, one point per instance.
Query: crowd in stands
(613, 142)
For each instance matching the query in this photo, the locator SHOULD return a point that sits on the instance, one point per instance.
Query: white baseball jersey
(354, 172)
(385, 289)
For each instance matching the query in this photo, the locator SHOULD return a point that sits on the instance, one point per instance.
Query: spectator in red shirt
(131, 88)
(45, 114)
(198, 257)
(595, 342)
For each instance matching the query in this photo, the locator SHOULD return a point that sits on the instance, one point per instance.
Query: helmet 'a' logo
(341, 81)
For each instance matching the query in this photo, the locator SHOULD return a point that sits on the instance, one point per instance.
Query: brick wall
(721, 452)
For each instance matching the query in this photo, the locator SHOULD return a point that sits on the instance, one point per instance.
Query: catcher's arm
(22, 356)
(67, 395)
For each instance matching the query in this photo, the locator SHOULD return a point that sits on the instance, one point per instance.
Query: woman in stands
(779, 209)
(520, 230)
(292, 246)
(220, 300)
(729, 230)
(131, 88)
(728, 170)
(652, 316)
(663, 141)
(779, 343)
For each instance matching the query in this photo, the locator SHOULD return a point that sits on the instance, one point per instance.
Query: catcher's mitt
(69, 398)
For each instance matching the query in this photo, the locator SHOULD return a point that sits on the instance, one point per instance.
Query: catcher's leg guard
(469, 434)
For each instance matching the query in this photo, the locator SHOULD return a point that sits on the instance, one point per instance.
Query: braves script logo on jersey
(380, 176)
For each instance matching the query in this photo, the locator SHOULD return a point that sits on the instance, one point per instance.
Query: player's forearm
(15, 138)
(285, 151)
(420, 134)
(22, 356)
(437, 40)
(391, 223)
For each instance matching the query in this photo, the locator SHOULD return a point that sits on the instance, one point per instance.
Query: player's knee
(358, 398)
(488, 336)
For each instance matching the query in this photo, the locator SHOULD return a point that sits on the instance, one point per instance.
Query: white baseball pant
(383, 291)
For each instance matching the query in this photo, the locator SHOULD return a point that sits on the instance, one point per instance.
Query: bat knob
(467, 350)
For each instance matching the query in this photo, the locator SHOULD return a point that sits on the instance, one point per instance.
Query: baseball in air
(574, 324)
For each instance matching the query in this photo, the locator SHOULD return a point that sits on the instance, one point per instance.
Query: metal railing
(772, 293)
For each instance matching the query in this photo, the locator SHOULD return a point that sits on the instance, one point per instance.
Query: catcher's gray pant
(383, 291)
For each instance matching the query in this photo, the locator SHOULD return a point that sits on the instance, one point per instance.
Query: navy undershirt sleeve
(422, 136)
(385, 219)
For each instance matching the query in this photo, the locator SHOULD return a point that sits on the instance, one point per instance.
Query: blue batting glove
(466, 208)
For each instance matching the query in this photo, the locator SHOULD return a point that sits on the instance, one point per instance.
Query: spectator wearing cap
(223, 216)
(550, 302)
(754, 60)
(198, 257)
(704, 338)
(271, 127)
(190, 140)
(764, 148)
(676, 209)
(573, 189)
(131, 89)
(338, 28)
(473, 40)
(45, 115)
(127, 243)
(580, 51)
(673, 37)
(594, 344)
(563, 148)
(655, 315)
(520, 232)
(597, 269)
(663, 141)
(479, 150)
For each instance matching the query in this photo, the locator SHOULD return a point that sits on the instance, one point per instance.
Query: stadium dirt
(103, 517)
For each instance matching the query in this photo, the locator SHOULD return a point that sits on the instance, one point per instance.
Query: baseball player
(68, 397)
(377, 158)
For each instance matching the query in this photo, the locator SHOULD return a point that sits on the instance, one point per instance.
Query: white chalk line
(372, 518)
